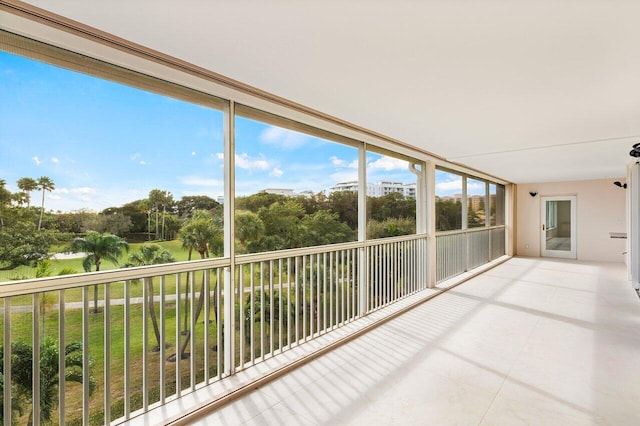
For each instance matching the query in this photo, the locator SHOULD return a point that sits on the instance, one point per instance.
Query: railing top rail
(37, 285)
(304, 251)
(468, 230)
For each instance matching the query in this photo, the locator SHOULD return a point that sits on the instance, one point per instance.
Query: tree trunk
(149, 225)
(95, 293)
(164, 210)
(186, 298)
(183, 348)
(157, 231)
(152, 310)
(41, 211)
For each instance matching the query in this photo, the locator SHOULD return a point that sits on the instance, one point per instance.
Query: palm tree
(167, 199)
(44, 184)
(151, 254)
(202, 235)
(26, 185)
(99, 247)
(5, 199)
(21, 366)
(155, 199)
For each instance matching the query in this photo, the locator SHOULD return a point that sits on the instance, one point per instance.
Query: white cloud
(337, 162)
(55, 160)
(135, 156)
(353, 164)
(245, 162)
(283, 138)
(452, 185)
(36, 160)
(388, 163)
(276, 172)
(193, 153)
(143, 163)
(220, 155)
(82, 193)
(199, 181)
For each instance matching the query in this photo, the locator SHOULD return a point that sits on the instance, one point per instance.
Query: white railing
(158, 332)
(461, 251)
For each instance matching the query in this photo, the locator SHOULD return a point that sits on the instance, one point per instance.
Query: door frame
(567, 254)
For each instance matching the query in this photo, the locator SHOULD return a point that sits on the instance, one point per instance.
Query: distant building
(378, 189)
(279, 191)
(288, 192)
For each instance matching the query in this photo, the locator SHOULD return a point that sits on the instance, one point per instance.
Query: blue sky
(105, 144)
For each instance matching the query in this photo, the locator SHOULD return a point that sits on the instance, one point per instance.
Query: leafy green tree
(155, 200)
(151, 254)
(448, 215)
(5, 200)
(190, 203)
(99, 247)
(323, 227)
(282, 226)
(345, 205)
(391, 227)
(44, 184)
(22, 373)
(257, 201)
(248, 226)
(116, 223)
(22, 244)
(172, 226)
(27, 185)
(393, 205)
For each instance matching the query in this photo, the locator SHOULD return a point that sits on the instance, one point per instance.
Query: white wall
(600, 210)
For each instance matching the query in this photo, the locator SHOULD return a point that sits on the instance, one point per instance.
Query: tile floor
(531, 341)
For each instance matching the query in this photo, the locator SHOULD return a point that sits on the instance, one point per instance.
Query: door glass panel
(558, 225)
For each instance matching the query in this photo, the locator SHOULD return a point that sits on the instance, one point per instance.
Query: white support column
(634, 236)
(363, 284)
(510, 204)
(229, 237)
(429, 177)
(487, 205)
(465, 207)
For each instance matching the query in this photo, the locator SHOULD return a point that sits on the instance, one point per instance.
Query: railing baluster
(162, 359)
(35, 342)
(262, 301)
(62, 362)
(127, 350)
(145, 345)
(304, 298)
(107, 353)
(178, 334)
(206, 288)
(6, 360)
(192, 331)
(331, 282)
(220, 337)
(271, 296)
(252, 315)
(311, 297)
(280, 312)
(85, 355)
(241, 300)
(289, 302)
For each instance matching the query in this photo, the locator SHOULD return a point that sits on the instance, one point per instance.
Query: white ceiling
(528, 91)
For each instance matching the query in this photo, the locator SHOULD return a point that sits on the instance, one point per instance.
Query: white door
(558, 229)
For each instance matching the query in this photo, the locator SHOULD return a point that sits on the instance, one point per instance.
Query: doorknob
(543, 226)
